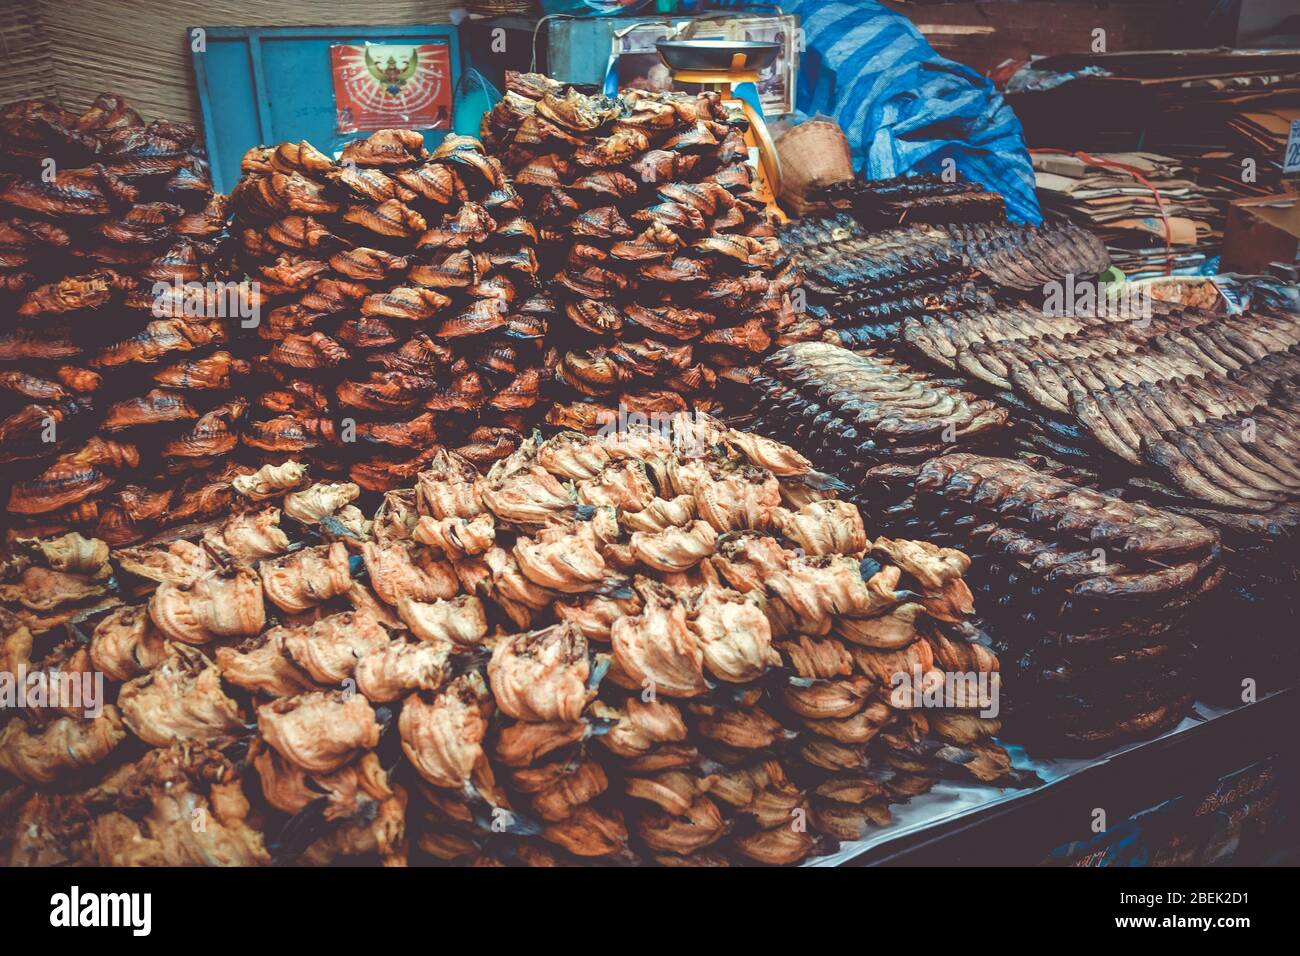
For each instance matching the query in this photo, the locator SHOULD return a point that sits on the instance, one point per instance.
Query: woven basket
(812, 154)
(501, 8)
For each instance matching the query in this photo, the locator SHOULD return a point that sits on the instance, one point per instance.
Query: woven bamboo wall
(26, 69)
(139, 48)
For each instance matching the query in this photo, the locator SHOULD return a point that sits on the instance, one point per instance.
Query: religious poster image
(377, 86)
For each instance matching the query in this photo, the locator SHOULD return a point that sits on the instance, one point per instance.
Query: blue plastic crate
(268, 85)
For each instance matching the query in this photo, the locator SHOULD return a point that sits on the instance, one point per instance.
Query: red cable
(1137, 175)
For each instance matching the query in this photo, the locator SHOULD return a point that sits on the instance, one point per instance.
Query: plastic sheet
(905, 108)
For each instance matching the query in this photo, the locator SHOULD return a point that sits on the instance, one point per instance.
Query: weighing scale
(720, 65)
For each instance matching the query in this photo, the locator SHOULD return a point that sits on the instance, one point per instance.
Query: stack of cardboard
(1263, 132)
(1262, 233)
(1153, 218)
(1223, 114)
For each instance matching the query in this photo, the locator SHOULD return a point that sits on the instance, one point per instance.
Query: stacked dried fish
(913, 246)
(403, 315)
(426, 681)
(1091, 595)
(228, 705)
(114, 385)
(1167, 389)
(1051, 603)
(54, 723)
(672, 559)
(663, 263)
(1191, 409)
(961, 215)
(319, 713)
(882, 203)
(1028, 258)
(901, 247)
(861, 283)
(48, 582)
(849, 411)
(858, 751)
(864, 283)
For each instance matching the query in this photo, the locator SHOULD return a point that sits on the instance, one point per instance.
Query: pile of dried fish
(142, 813)
(402, 313)
(728, 719)
(903, 200)
(1165, 402)
(638, 648)
(1092, 596)
(187, 676)
(117, 398)
(1170, 390)
(665, 267)
(46, 583)
(863, 284)
(1190, 409)
(1093, 637)
(849, 411)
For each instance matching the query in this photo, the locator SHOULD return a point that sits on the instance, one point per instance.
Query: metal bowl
(716, 55)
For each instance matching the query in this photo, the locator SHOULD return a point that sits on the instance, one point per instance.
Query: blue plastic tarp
(906, 109)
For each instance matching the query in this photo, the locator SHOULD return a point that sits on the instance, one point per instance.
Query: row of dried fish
(115, 382)
(850, 411)
(644, 647)
(1065, 575)
(1029, 258)
(1168, 389)
(1116, 390)
(1095, 598)
(661, 258)
(1193, 410)
(404, 310)
(902, 200)
(864, 284)
(1092, 385)
(1011, 256)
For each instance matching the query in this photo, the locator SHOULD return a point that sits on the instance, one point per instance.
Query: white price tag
(1291, 159)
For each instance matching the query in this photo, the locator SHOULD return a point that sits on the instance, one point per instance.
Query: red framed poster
(380, 85)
